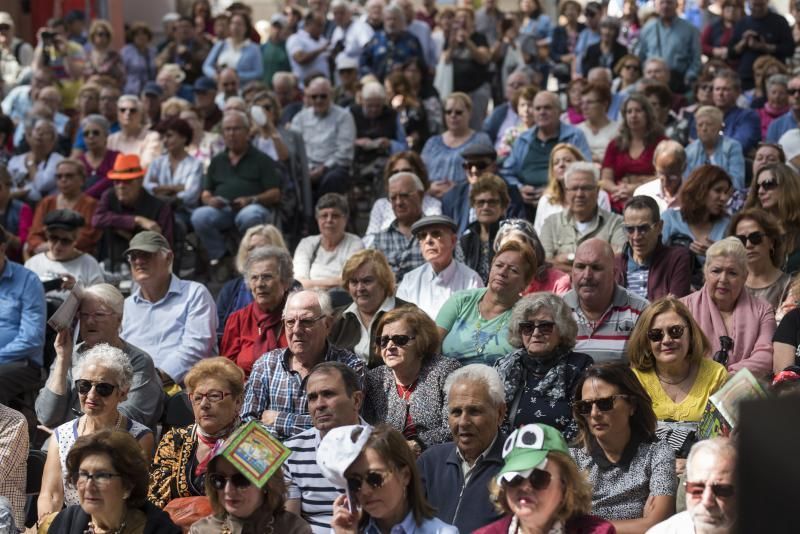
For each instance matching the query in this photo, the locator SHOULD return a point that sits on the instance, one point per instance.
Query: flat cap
(434, 220)
(481, 149)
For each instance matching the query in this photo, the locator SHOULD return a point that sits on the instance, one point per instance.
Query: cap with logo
(526, 449)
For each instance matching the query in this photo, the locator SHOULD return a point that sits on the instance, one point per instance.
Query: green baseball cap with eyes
(527, 448)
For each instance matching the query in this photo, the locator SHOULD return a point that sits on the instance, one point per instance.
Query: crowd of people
(478, 271)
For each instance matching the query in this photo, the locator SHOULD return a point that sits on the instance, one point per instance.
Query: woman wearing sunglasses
(407, 392)
(539, 487)
(103, 58)
(728, 313)
(632, 473)
(539, 377)
(103, 376)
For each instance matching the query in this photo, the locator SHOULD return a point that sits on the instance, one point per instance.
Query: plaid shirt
(273, 385)
(403, 253)
(382, 54)
(13, 460)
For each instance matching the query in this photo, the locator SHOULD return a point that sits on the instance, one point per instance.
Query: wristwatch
(571, 257)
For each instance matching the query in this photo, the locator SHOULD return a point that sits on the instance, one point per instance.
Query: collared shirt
(303, 42)
(383, 54)
(13, 460)
(561, 232)
(654, 190)
(253, 174)
(606, 340)
(22, 315)
(677, 43)
(274, 385)
(430, 290)
(362, 347)
(727, 155)
(638, 274)
(409, 526)
(188, 173)
(329, 139)
(466, 468)
(403, 253)
(177, 331)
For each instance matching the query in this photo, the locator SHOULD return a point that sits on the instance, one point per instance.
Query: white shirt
(84, 269)
(429, 291)
(677, 524)
(313, 262)
(598, 142)
(303, 42)
(653, 190)
(362, 347)
(545, 209)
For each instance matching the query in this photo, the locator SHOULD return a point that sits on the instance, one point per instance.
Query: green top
(536, 165)
(252, 175)
(275, 59)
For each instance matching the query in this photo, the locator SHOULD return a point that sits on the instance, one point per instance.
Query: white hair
(373, 90)
(396, 11)
(482, 374)
(400, 175)
(240, 114)
(132, 99)
(108, 357)
(581, 167)
(107, 295)
(718, 447)
(323, 299)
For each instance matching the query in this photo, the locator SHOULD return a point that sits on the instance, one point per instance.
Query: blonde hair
(463, 98)
(174, 106)
(709, 111)
(269, 231)
(730, 247)
(555, 188)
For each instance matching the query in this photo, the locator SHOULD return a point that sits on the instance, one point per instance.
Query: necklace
(406, 391)
(83, 422)
(482, 338)
(93, 529)
(681, 381)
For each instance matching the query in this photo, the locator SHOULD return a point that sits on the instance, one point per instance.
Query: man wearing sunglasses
(710, 491)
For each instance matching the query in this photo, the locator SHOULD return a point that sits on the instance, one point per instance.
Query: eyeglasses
(487, 202)
(793, 91)
(132, 111)
(631, 229)
(399, 340)
(376, 480)
(423, 235)
(214, 396)
(456, 112)
(323, 96)
(92, 133)
(101, 478)
(705, 87)
(767, 185)
(136, 255)
(104, 389)
(68, 240)
(539, 479)
(631, 67)
(480, 165)
(85, 316)
(304, 323)
(581, 188)
(218, 482)
(696, 489)
(756, 238)
(527, 328)
(604, 404)
(674, 332)
(66, 175)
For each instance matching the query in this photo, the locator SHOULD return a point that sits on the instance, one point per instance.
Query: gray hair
(535, 302)
(578, 167)
(719, 447)
(611, 23)
(397, 11)
(240, 114)
(108, 295)
(730, 247)
(777, 79)
(132, 99)
(47, 123)
(323, 299)
(673, 148)
(335, 201)
(400, 175)
(342, 3)
(96, 119)
(525, 229)
(482, 374)
(655, 59)
(271, 252)
(108, 357)
(731, 76)
(523, 70)
(282, 76)
(714, 113)
(373, 90)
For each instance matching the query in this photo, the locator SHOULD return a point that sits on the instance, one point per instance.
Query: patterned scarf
(213, 442)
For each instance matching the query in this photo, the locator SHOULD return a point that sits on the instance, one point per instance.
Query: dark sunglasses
(674, 332)
(631, 229)
(104, 389)
(527, 328)
(318, 97)
(755, 238)
(218, 481)
(696, 489)
(456, 112)
(375, 479)
(480, 165)
(794, 91)
(399, 340)
(63, 240)
(767, 185)
(92, 133)
(605, 404)
(539, 479)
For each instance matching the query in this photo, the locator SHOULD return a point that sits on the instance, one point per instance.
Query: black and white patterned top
(622, 489)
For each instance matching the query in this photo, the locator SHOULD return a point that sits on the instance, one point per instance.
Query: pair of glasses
(539, 480)
(318, 97)
(136, 255)
(132, 111)
(62, 240)
(479, 165)
(104, 389)
(527, 328)
(793, 91)
(375, 479)
(487, 202)
(756, 238)
(604, 404)
(674, 332)
(422, 235)
(85, 316)
(214, 396)
(218, 482)
(767, 185)
(101, 478)
(304, 323)
(696, 489)
(705, 87)
(456, 112)
(399, 340)
(92, 133)
(632, 229)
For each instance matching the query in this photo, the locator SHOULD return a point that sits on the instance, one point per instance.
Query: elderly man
(669, 160)
(329, 133)
(13, 461)
(274, 393)
(421, 31)
(677, 41)
(503, 116)
(22, 327)
(605, 312)
(789, 120)
(308, 49)
(241, 188)
(710, 491)
(351, 35)
(228, 86)
(285, 86)
(172, 320)
(378, 128)
(741, 124)
(583, 219)
(390, 48)
(645, 266)
(527, 166)
(432, 283)
(335, 398)
(456, 474)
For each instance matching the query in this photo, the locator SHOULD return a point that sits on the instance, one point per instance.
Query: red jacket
(585, 524)
(670, 271)
(239, 338)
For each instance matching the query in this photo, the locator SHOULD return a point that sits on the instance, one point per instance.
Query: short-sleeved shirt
(470, 337)
(253, 174)
(788, 331)
(621, 162)
(468, 74)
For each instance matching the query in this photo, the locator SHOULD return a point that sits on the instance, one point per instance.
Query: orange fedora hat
(126, 167)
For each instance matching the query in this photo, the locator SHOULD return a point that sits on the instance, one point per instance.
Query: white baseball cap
(339, 449)
(790, 141)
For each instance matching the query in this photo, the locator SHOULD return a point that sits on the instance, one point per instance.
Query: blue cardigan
(250, 66)
(727, 155)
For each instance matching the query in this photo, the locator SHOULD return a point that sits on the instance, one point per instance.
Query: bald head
(600, 75)
(593, 275)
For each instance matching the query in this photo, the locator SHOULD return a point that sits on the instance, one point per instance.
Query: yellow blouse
(710, 377)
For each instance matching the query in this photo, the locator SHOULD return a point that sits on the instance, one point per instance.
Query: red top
(557, 282)
(585, 524)
(241, 336)
(623, 164)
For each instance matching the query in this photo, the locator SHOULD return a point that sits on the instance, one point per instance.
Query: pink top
(585, 524)
(556, 281)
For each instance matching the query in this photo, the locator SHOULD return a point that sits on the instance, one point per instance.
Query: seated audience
(111, 502)
(540, 487)
(741, 124)
(522, 105)
(785, 342)
(546, 278)
(318, 259)
(97, 159)
(13, 463)
(489, 200)
(473, 323)
(33, 173)
(598, 129)
(133, 137)
(606, 52)
(632, 473)
(712, 147)
(103, 377)
(16, 218)
(139, 55)
(236, 51)
(407, 393)
(410, 109)
(102, 57)
(646, 267)
(628, 71)
(379, 131)
(777, 102)
(176, 177)
(787, 121)
(391, 45)
(204, 144)
(504, 116)
(258, 327)
(539, 377)
(606, 313)
(669, 162)
(739, 326)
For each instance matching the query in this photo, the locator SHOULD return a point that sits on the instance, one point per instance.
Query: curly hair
(383, 272)
(558, 309)
(220, 368)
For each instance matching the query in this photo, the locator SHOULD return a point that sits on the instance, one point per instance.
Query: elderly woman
(777, 103)
(236, 51)
(104, 375)
(103, 58)
(767, 154)
(134, 137)
(381, 475)
(540, 489)
(632, 473)
(109, 473)
(407, 392)
(762, 236)
(97, 159)
(739, 326)
(522, 105)
(138, 58)
(473, 322)
(712, 147)
(176, 176)
(539, 377)
(489, 198)
(598, 129)
(33, 172)
(215, 387)
(257, 328)
(170, 78)
(318, 259)
(627, 72)
(442, 153)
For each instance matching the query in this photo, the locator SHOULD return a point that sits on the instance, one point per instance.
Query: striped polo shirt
(606, 339)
